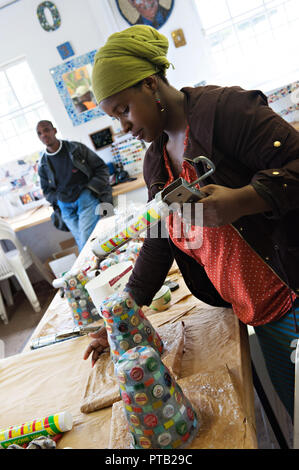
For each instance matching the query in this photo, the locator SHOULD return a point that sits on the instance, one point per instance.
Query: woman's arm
(150, 270)
(248, 130)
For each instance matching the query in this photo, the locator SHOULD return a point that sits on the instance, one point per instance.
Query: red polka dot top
(240, 276)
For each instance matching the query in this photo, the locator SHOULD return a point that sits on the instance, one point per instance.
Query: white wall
(191, 61)
(87, 24)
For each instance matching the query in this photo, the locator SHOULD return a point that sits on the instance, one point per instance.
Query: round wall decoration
(42, 17)
(150, 12)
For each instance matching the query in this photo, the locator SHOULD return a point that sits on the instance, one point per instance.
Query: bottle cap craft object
(129, 254)
(80, 302)
(159, 415)
(175, 195)
(129, 229)
(127, 325)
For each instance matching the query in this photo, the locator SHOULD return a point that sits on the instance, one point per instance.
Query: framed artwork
(65, 50)
(150, 12)
(73, 82)
(53, 11)
(102, 138)
(178, 37)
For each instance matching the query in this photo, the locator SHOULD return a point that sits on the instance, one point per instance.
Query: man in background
(75, 179)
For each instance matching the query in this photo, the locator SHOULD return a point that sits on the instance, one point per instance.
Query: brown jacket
(236, 130)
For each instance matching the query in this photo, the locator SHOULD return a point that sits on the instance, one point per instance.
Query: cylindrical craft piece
(128, 229)
(26, 432)
(83, 309)
(127, 325)
(158, 413)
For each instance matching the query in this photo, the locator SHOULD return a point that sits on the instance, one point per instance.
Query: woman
(249, 253)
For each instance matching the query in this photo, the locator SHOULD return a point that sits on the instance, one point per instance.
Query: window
(251, 42)
(21, 107)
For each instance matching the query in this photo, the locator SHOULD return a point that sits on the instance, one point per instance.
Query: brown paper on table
(59, 318)
(48, 380)
(174, 269)
(173, 314)
(212, 339)
(221, 417)
(102, 388)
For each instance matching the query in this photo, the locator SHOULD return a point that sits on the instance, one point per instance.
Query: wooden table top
(52, 379)
(128, 186)
(225, 344)
(42, 214)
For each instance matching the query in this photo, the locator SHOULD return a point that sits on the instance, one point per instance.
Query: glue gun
(176, 194)
(181, 192)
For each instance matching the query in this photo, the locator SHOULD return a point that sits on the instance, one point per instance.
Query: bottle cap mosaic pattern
(159, 415)
(83, 309)
(127, 325)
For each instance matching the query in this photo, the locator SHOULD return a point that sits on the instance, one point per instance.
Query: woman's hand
(222, 205)
(97, 346)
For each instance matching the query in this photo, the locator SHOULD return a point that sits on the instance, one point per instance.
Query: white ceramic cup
(109, 281)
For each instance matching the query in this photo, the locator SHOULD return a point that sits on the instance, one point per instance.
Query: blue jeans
(80, 216)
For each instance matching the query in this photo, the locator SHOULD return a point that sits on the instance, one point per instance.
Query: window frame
(225, 55)
(20, 136)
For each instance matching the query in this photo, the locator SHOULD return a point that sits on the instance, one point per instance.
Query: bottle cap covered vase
(83, 309)
(127, 325)
(159, 415)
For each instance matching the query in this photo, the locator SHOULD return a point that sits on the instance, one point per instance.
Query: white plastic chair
(14, 263)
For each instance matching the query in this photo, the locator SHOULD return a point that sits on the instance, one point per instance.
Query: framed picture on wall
(150, 12)
(73, 82)
(102, 138)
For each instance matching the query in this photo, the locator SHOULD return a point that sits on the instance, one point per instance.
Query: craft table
(128, 186)
(42, 214)
(52, 379)
(30, 218)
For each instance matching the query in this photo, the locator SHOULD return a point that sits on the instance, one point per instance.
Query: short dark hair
(44, 121)
(163, 77)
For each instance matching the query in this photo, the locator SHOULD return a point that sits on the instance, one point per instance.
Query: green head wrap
(128, 57)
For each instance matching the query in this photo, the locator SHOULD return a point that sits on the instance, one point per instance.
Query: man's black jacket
(86, 161)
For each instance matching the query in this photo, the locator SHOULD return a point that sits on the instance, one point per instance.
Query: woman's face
(137, 110)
